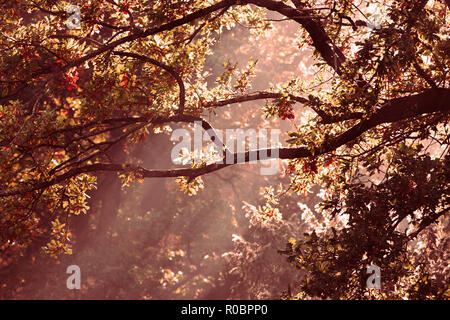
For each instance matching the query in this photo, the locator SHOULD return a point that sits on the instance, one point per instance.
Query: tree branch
(169, 69)
(252, 97)
(430, 101)
(332, 55)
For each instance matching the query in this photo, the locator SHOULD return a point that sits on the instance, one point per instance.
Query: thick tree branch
(332, 55)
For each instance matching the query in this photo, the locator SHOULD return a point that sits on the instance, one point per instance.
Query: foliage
(372, 135)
